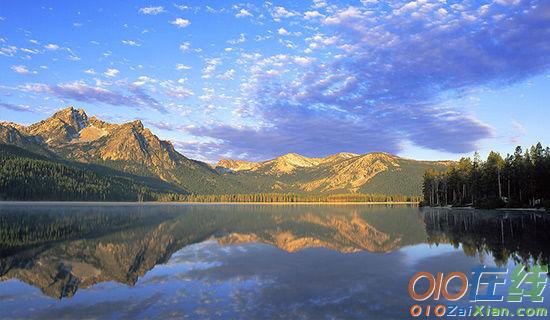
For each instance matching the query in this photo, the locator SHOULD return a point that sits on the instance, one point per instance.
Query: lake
(177, 261)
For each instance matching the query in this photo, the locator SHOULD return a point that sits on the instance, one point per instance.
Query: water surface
(244, 261)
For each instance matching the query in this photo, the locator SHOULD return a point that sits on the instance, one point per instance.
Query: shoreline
(195, 203)
(499, 209)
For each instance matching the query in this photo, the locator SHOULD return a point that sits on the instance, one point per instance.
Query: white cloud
(152, 10)
(319, 4)
(182, 7)
(89, 71)
(143, 80)
(179, 92)
(181, 23)
(281, 12)
(303, 60)
(308, 15)
(243, 13)
(283, 32)
(181, 66)
(131, 43)
(211, 65)
(22, 70)
(8, 51)
(184, 46)
(508, 2)
(228, 75)
(51, 47)
(111, 72)
(29, 50)
(241, 39)
(345, 15)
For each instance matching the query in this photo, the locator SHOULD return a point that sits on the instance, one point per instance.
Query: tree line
(293, 197)
(518, 180)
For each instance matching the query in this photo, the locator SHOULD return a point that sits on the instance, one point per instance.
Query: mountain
(128, 147)
(25, 175)
(339, 173)
(12, 133)
(70, 134)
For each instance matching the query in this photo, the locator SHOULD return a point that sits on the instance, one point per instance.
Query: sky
(426, 79)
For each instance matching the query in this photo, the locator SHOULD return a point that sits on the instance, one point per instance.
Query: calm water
(244, 261)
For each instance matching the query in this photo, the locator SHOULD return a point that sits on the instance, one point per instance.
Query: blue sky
(427, 79)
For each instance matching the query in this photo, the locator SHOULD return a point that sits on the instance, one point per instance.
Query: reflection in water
(522, 237)
(59, 250)
(252, 261)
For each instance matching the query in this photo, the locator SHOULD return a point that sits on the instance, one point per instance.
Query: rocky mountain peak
(136, 124)
(77, 118)
(236, 165)
(64, 126)
(290, 161)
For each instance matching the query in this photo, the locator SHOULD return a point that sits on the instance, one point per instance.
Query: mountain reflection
(60, 248)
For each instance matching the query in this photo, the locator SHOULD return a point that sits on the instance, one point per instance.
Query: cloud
(80, 91)
(89, 71)
(387, 79)
(228, 75)
(131, 43)
(179, 92)
(152, 10)
(31, 51)
(282, 12)
(210, 68)
(283, 31)
(309, 15)
(184, 46)
(111, 72)
(243, 13)
(240, 39)
(181, 66)
(144, 80)
(22, 70)
(51, 47)
(163, 125)
(14, 107)
(181, 23)
(8, 51)
(519, 131)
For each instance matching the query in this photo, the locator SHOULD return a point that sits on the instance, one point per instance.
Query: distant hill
(70, 135)
(339, 173)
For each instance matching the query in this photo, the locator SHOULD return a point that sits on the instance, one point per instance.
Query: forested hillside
(520, 179)
(28, 176)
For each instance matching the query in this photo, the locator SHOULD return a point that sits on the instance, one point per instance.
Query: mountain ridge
(131, 147)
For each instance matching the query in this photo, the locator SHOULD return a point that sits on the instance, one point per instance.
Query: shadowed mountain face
(132, 148)
(60, 249)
